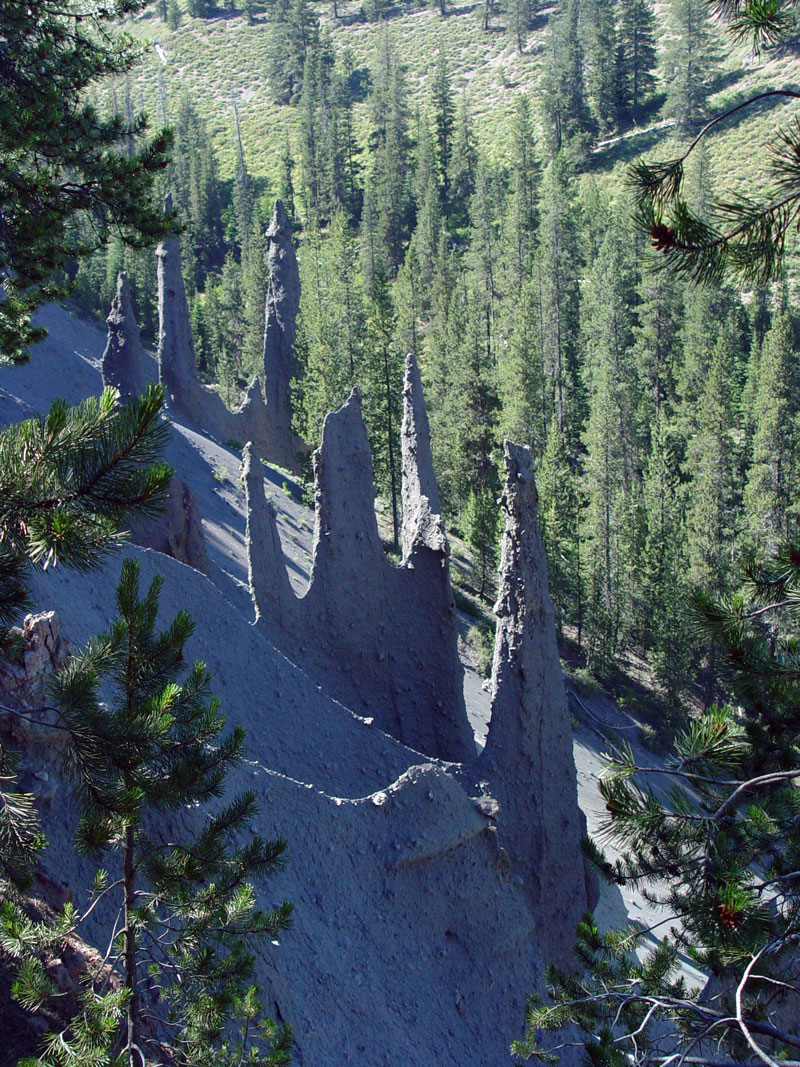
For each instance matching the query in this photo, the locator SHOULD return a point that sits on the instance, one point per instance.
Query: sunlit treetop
(69, 179)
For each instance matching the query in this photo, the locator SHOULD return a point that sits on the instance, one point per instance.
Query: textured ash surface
(417, 937)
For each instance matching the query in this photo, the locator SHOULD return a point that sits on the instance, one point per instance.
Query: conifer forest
(662, 416)
(531, 480)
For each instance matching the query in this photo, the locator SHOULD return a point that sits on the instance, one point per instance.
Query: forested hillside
(456, 180)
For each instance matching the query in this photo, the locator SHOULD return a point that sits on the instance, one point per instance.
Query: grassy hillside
(217, 59)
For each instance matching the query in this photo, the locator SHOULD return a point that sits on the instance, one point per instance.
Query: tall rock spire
(177, 364)
(422, 518)
(269, 583)
(383, 638)
(283, 302)
(528, 758)
(126, 365)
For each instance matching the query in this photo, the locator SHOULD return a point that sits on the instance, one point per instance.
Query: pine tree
(67, 484)
(661, 571)
(636, 59)
(66, 184)
(612, 462)
(688, 61)
(443, 108)
(560, 506)
(714, 506)
(600, 50)
(332, 325)
(382, 380)
(770, 498)
(465, 164)
(557, 271)
(522, 215)
(187, 905)
(568, 123)
(713, 835)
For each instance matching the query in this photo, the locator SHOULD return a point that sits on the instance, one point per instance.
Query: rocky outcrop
(383, 638)
(126, 365)
(270, 588)
(24, 678)
(422, 512)
(177, 531)
(528, 761)
(282, 305)
(186, 393)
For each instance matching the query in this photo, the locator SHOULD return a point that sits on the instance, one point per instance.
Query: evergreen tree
(465, 164)
(636, 59)
(526, 409)
(382, 378)
(717, 844)
(66, 185)
(557, 271)
(518, 18)
(660, 573)
(770, 497)
(480, 521)
(612, 462)
(714, 501)
(522, 215)
(192, 178)
(688, 61)
(187, 906)
(67, 483)
(600, 51)
(332, 325)
(443, 108)
(568, 122)
(560, 505)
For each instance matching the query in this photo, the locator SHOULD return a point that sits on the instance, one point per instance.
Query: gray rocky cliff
(528, 760)
(269, 432)
(126, 365)
(280, 326)
(382, 637)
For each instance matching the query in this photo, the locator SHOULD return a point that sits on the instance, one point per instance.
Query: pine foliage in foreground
(68, 482)
(143, 768)
(714, 838)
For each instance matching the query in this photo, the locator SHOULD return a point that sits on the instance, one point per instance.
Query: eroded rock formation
(177, 531)
(383, 638)
(282, 305)
(126, 365)
(528, 761)
(186, 393)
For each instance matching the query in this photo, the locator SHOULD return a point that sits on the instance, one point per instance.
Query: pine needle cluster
(741, 236)
(66, 181)
(713, 838)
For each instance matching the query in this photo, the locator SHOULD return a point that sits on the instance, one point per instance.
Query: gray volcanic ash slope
(426, 898)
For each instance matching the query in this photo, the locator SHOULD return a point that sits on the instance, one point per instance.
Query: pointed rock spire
(346, 530)
(422, 520)
(283, 302)
(176, 357)
(126, 365)
(269, 583)
(528, 756)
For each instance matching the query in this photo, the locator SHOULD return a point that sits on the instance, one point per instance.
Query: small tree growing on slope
(141, 767)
